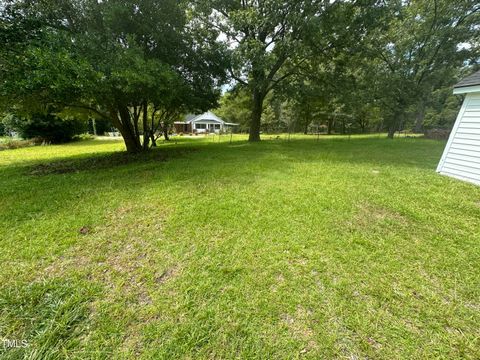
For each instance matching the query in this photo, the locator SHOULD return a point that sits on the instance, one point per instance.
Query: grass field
(331, 248)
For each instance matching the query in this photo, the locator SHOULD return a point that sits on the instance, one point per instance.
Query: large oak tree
(122, 60)
(414, 49)
(265, 38)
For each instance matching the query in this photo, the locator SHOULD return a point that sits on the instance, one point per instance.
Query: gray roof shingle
(471, 80)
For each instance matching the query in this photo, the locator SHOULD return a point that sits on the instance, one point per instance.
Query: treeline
(292, 116)
(368, 66)
(343, 66)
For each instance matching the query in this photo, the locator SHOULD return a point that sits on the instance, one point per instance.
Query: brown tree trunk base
(391, 133)
(153, 140)
(254, 133)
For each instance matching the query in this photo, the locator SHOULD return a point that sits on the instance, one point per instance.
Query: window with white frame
(200, 126)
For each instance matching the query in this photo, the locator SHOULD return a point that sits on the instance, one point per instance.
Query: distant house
(461, 157)
(205, 123)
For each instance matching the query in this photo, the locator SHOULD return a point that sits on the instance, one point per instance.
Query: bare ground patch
(120, 250)
(299, 324)
(368, 215)
(124, 256)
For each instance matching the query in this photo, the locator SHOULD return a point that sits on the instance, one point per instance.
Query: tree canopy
(265, 40)
(113, 58)
(381, 65)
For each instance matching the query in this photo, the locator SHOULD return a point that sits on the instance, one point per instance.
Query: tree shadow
(95, 142)
(59, 183)
(409, 152)
(102, 161)
(403, 152)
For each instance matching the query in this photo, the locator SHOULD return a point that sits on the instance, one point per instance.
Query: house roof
(189, 117)
(472, 80)
(205, 116)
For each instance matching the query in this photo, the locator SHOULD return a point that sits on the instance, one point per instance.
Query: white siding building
(461, 157)
(204, 123)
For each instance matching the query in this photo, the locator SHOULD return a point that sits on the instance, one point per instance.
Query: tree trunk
(152, 128)
(146, 131)
(307, 119)
(362, 125)
(124, 125)
(419, 117)
(329, 126)
(152, 139)
(254, 134)
(136, 116)
(94, 126)
(393, 126)
(391, 131)
(131, 142)
(165, 133)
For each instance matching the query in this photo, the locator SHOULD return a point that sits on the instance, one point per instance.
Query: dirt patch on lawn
(368, 215)
(123, 254)
(299, 325)
(167, 275)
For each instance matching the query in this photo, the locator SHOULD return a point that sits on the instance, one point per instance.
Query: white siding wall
(461, 158)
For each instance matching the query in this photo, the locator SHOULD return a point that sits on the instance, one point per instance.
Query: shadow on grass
(56, 199)
(94, 142)
(409, 152)
(400, 152)
(102, 161)
(52, 189)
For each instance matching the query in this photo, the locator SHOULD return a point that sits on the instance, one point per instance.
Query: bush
(48, 128)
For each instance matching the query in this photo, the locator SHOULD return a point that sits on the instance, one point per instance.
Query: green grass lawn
(331, 248)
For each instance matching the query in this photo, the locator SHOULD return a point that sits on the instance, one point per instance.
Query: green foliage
(114, 58)
(443, 109)
(382, 66)
(140, 64)
(417, 50)
(45, 127)
(235, 106)
(265, 43)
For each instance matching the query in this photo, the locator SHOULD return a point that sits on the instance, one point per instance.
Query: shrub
(48, 128)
